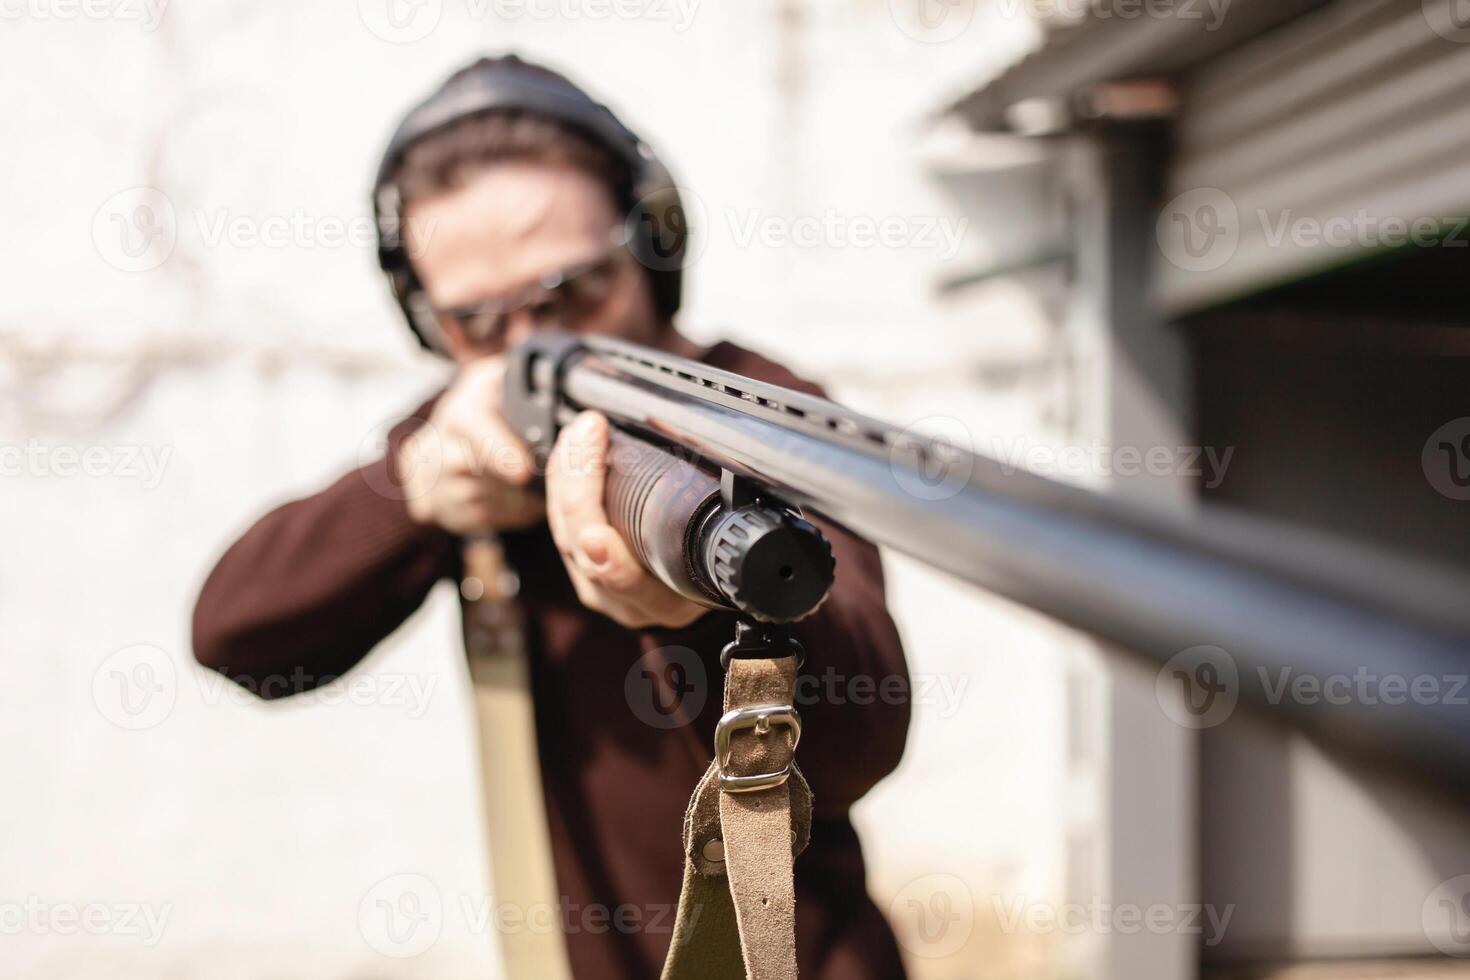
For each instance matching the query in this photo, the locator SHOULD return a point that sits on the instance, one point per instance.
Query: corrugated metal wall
(1337, 136)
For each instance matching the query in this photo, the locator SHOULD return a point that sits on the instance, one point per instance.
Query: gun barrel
(1276, 601)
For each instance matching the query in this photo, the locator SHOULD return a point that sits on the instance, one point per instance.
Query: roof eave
(1100, 49)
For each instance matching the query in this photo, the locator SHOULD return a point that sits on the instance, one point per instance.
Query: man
(521, 203)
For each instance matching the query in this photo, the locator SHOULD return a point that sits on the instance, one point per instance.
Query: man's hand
(608, 578)
(480, 482)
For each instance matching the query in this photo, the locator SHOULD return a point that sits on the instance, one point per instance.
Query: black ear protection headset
(655, 227)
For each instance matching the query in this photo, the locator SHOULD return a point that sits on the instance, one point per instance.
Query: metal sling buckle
(759, 717)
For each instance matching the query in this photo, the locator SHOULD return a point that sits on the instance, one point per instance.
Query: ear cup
(657, 223)
(658, 234)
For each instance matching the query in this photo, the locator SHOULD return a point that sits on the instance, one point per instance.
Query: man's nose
(519, 327)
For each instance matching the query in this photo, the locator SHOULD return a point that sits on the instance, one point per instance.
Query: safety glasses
(562, 298)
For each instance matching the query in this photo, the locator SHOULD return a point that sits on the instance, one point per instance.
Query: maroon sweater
(315, 584)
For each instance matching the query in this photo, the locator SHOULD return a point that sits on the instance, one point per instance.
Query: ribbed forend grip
(656, 501)
(634, 469)
(767, 563)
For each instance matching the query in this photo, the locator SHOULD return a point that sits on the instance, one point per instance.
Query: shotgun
(711, 476)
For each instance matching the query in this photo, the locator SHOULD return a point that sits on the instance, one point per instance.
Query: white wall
(251, 372)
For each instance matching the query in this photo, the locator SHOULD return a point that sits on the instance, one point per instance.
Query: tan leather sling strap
(523, 878)
(750, 815)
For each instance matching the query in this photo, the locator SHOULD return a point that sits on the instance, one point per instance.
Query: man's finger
(609, 562)
(491, 448)
(574, 481)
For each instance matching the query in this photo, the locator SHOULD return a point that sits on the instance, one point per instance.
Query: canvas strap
(749, 817)
(521, 872)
